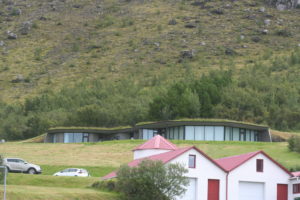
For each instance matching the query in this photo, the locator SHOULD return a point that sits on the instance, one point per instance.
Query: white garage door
(190, 194)
(251, 191)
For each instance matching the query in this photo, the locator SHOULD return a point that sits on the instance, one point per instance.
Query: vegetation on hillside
(110, 63)
(152, 180)
(294, 143)
(258, 93)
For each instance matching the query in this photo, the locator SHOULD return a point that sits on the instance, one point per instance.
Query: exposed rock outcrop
(285, 4)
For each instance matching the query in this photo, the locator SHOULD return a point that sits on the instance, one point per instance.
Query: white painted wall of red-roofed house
(204, 171)
(271, 176)
(137, 154)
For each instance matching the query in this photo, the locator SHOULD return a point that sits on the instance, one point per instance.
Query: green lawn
(100, 159)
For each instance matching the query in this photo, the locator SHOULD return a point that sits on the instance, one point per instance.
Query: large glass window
(54, 138)
(252, 135)
(190, 133)
(219, 133)
(228, 133)
(248, 135)
(199, 133)
(74, 137)
(236, 134)
(181, 133)
(176, 133)
(209, 133)
(242, 134)
(147, 134)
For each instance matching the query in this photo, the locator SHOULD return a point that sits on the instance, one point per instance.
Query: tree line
(263, 92)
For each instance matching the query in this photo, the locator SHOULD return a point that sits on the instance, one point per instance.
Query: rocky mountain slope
(54, 43)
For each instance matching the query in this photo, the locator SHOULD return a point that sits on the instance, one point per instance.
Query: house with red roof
(250, 176)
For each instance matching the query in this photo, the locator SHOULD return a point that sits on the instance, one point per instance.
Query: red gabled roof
(296, 174)
(164, 157)
(232, 162)
(157, 142)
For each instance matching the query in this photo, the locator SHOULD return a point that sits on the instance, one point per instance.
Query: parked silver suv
(19, 165)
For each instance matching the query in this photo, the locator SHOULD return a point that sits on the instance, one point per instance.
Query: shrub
(284, 33)
(294, 143)
(152, 180)
(109, 185)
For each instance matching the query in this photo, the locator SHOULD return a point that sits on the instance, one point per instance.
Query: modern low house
(250, 176)
(188, 129)
(85, 134)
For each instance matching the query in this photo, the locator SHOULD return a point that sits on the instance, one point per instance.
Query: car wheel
(7, 169)
(31, 171)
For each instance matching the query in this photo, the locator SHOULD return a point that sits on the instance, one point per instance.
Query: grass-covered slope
(100, 159)
(113, 63)
(68, 41)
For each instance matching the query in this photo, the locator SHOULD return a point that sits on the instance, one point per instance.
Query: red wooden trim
(194, 164)
(259, 165)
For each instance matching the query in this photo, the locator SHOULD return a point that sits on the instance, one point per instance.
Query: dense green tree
(152, 180)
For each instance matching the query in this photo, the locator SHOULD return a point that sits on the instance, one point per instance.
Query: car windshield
(65, 170)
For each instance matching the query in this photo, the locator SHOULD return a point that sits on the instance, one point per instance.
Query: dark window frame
(296, 188)
(259, 165)
(194, 164)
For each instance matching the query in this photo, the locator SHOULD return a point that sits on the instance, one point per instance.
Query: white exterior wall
(271, 176)
(147, 152)
(204, 170)
(293, 181)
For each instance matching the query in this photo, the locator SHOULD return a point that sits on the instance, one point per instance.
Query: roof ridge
(234, 156)
(157, 142)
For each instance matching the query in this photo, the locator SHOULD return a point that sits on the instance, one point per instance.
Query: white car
(20, 165)
(73, 172)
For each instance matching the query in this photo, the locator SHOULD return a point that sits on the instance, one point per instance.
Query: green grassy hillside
(64, 42)
(113, 63)
(100, 159)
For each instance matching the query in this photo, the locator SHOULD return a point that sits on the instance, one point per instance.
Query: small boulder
(18, 79)
(25, 27)
(281, 7)
(190, 25)
(15, 12)
(11, 35)
(262, 9)
(218, 11)
(265, 31)
(230, 52)
(42, 18)
(172, 22)
(202, 43)
(267, 22)
(77, 6)
(187, 54)
(197, 3)
(256, 39)
(2, 43)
